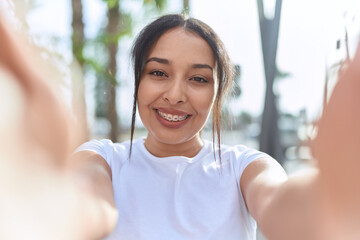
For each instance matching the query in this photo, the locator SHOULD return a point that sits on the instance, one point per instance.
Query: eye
(158, 73)
(199, 79)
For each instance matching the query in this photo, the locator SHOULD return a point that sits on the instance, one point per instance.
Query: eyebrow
(165, 61)
(202, 66)
(159, 60)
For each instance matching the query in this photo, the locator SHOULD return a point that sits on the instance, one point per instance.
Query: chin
(173, 139)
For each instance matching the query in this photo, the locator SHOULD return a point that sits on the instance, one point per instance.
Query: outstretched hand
(38, 198)
(337, 149)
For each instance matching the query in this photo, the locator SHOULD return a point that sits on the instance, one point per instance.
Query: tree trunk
(112, 29)
(269, 136)
(78, 93)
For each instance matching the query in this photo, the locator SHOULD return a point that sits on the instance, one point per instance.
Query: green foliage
(279, 74)
(112, 3)
(125, 29)
(100, 70)
(95, 48)
(160, 4)
(78, 50)
(236, 90)
(102, 97)
(94, 54)
(245, 118)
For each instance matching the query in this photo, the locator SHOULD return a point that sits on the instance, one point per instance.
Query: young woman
(173, 184)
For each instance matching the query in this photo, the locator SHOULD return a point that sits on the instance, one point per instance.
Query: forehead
(182, 45)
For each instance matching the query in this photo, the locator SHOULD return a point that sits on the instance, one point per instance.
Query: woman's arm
(39, 202)
(92, 174)
(319, 204)
(91, 169)
(282, 206)
(38, 197)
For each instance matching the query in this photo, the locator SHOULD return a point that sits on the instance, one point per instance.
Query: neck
(187, 149)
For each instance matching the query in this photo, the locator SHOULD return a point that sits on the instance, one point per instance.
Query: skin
(50, 203)
(178, 79)
(319, 204)
(41, 196)
(170, 83)
(322, 203)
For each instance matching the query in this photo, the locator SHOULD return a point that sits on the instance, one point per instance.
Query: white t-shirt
(178, 197)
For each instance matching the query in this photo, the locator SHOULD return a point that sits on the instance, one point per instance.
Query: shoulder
(237, 157)
(241, 156)
(242, 153)
(103, 145)
(107, 149)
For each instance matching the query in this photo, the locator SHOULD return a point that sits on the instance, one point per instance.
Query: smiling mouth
(172, 118)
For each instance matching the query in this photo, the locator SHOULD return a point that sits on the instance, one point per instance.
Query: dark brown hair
(152, 32)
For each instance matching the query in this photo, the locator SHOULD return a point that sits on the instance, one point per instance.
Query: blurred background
(287, 56)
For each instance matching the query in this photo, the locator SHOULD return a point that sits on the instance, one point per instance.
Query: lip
(169, 124)
(172, 111)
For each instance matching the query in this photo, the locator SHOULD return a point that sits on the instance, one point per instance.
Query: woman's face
(177, 88)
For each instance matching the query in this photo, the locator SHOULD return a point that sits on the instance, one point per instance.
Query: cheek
(143, 99)
(203, 101)
(148, 94)
(145, 93)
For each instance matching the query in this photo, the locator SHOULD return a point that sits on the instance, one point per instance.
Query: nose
(175, 92)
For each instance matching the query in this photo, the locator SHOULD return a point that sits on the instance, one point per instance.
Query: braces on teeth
(172, 118)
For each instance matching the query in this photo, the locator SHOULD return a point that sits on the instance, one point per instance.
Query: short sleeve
(244, 156)
(104, 148)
